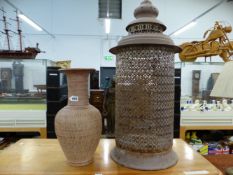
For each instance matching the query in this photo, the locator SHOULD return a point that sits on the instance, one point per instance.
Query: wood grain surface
(44, 156)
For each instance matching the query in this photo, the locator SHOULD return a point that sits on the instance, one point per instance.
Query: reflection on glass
(196, 172)
(23, 83)
(188, 152)
(197, 81)
(106, 151)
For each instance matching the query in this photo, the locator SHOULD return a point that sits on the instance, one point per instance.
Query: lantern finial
(146, 9)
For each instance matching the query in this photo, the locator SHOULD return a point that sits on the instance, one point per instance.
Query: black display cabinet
(94, 80)
(177, 103)
(56, 96)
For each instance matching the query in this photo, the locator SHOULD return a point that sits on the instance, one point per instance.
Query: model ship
(9, 53)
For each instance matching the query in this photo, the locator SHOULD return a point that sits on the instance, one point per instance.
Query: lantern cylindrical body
(145, 94)
(145, 99)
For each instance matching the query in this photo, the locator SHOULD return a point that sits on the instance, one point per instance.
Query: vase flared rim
(77, 69)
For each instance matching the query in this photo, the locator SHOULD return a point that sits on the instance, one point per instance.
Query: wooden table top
(44, 156)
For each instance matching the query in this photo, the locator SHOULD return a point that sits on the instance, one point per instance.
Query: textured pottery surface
(78, 125)
(145, 94)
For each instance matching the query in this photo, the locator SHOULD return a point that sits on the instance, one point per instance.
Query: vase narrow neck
(77, 87)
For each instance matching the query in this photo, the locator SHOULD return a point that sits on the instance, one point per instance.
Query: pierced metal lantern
(145, 93)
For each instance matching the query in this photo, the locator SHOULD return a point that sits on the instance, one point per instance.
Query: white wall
(79, 34)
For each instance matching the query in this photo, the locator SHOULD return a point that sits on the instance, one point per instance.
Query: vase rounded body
(78, 125)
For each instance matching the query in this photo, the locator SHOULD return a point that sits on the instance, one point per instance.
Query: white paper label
(73, 98)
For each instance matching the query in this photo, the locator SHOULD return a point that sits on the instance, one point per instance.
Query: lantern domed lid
(146, 12)
(145, 29)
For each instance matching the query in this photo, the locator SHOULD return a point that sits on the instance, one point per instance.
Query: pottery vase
(78, 125)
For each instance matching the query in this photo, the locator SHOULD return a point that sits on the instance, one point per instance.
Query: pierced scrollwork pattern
(145, 98)
(145, 28)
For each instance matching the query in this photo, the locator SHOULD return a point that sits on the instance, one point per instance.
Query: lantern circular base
(144, 161)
